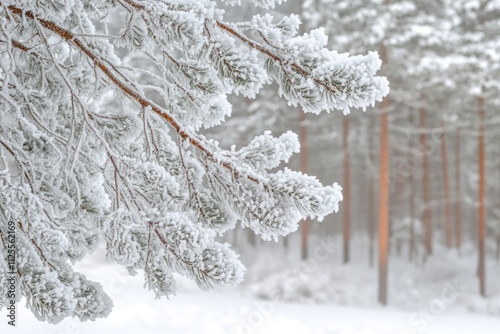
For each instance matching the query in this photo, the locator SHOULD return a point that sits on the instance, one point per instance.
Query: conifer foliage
(101, 105)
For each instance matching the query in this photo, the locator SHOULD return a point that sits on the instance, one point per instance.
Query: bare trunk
(458, 200)
(304, 168)
(482, 211)
(446, 190)
(346, 192)
(426, 214)
(498, 232)
(371, 200)
(251, 238)
(498, 248)
(411, 249)
(383, 218)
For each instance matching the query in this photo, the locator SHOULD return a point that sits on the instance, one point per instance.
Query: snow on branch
(101, 105)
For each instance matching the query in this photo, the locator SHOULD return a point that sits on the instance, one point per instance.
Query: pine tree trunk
(426, 214)
(251, 238)
(458, 200)
(371, 199)
(383, 218)
(446, 190)
(384, 203)
(482, 211)
(346, 192)
(235, 238)
(411, 248)
(303, 169)
(498, 248)
(304, 156)
(498, 231)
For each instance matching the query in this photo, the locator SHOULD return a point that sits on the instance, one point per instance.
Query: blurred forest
(433, 144)
(115, 167)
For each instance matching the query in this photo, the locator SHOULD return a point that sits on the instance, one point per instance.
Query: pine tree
(102, 104)
(478, 53)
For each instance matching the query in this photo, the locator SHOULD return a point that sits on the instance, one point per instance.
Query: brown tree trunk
(482, 211)
(304, 168)
(458, 200)
(412, 246)
(498, 248)
(251, 238)
(383, 216)
(371, 199)
(446, 190)
(346, 192)
(426, 214)
(235, 238)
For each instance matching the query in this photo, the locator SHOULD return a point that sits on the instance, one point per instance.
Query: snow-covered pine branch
(101, 103)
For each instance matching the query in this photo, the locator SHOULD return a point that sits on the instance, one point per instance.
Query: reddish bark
(371, 199)
(482, 211)
(383, 215)
(446, 190)
(458, 200)
(346, 187)
(412, 245)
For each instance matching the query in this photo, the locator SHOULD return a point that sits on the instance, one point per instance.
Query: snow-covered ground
(223, 312)
(241, 311)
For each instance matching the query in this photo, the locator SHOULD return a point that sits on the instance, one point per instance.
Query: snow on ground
(235, 311)
(229, 312)
(446, 278)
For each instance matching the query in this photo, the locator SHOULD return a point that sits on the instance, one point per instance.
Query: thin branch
(71, 38)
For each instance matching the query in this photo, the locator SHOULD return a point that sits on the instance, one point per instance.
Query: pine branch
(71, 38)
